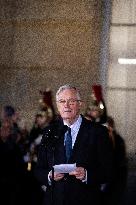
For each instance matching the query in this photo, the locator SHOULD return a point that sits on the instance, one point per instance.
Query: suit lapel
(80, 135)
(59, 148)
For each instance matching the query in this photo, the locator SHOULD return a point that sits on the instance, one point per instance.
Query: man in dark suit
(90, 150)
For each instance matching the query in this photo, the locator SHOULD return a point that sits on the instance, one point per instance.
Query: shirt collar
(76, 124)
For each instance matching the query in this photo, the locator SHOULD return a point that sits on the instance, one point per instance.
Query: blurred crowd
(19, 148)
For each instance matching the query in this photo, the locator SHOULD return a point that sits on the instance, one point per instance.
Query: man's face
(95, 114)
(68, 105)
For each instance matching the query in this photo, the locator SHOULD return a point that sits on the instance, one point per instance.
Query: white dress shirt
(74, 129)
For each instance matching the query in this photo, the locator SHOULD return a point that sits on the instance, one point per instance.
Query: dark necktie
(68, 144)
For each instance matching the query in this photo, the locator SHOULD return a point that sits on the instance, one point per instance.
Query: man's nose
(67, 103)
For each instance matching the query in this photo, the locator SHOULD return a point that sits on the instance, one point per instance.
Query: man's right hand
(57, 176)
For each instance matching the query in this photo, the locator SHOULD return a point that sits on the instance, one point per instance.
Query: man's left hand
(79, 173)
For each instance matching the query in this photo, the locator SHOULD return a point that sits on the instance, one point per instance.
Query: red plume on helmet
(97, 91)
(46, 101)
(47, 97)
(96, 110)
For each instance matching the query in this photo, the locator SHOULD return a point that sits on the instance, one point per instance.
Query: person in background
(18, 128)
(12, 170)
(114, 191)
(35, 136)
(33, 189)
(93, 113)
(73, 140)
(9, 114)
(96, 110)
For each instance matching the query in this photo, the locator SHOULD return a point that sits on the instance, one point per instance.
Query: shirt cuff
(85, 180)
(49, 180)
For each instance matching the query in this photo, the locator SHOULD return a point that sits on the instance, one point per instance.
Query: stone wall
(121, 84)
(47, 44)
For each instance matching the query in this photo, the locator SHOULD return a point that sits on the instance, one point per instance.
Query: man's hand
(79, 173)
(57, 176)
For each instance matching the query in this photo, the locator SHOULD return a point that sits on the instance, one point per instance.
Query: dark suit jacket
(92, 150)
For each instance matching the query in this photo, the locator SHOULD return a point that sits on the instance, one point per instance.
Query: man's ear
(81, 104)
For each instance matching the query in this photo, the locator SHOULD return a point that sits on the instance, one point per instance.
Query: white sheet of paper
(64, 168)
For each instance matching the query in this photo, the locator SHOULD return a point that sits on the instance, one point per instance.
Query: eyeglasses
(69, 101)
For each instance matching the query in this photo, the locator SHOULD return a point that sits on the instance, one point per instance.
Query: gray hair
(65, 87)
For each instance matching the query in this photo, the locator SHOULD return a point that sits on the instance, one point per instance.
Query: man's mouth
(68, 111)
